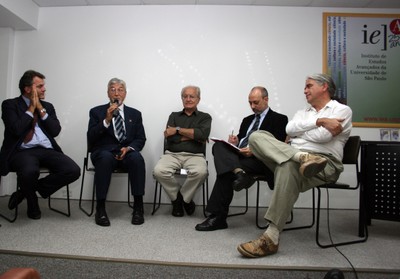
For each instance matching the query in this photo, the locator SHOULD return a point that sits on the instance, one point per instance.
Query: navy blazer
(98, 136)
(273, 122)
(17, 124)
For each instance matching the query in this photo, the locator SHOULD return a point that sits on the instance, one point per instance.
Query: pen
(232, 132)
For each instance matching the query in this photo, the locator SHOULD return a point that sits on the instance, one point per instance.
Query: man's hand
(121, 156)
(34, 99)
(245, 151)
(233, 139)
(170, 131)
(110, 111)
(333, 125)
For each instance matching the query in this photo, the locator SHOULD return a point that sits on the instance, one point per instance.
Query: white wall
(157, 50)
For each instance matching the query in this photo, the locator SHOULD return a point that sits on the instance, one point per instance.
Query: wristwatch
(177, 129)
(43, 110)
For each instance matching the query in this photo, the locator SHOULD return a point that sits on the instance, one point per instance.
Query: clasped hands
(35, 103)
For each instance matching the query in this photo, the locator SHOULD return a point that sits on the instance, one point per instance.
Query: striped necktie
(119, 127)
(245, 141)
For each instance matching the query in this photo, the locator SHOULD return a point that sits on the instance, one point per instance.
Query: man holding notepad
(235, 166)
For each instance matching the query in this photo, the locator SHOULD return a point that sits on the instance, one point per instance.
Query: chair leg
(129, 193)
(88, 213)
(156, 205)
(205, 197)
(312, 216)
(291, 214)
(13, 218)
(68, 213)
(246, 208)
(360, 240)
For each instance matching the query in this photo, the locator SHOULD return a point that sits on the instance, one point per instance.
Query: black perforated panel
(383, 180)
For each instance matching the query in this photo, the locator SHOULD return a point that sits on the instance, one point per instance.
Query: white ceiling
(13, 20)
(293, 3)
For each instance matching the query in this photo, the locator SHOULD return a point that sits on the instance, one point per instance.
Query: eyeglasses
(191, 97)
(115, 90)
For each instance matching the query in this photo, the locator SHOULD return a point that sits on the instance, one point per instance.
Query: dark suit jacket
(273, 122)
(18, 123)
(98, 136)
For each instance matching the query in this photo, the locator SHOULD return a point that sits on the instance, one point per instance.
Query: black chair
(90, 168)
(263, 178)
(65, 213)
(350, 157)
(180, 173)
(246, 208)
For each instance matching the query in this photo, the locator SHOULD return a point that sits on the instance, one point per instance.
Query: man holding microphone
(115, 138)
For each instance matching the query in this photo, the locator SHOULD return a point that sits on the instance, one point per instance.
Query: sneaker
(311, 164)
(261, 247)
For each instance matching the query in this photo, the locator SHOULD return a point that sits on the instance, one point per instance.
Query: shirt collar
(27, 100)
(264, 113)
(194, 112)
(328, 105)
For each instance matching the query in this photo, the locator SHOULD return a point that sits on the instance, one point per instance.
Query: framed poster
(362, 54)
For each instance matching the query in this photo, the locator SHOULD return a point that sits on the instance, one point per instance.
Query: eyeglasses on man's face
(119, 90)
(190, 97)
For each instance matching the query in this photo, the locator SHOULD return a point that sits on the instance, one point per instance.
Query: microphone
(116, 112)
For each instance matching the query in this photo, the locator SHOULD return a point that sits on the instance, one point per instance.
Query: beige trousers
(194, 164)
(289, 183)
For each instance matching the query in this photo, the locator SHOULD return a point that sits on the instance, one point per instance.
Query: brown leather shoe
(311, 164)
(261, 247)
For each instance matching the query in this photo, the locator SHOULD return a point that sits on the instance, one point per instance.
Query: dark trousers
(27, 162)
(105, 163)
(226, 160)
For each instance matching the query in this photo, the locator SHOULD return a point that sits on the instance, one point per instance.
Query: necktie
(245, 141)
(119, 127)
(29, 135)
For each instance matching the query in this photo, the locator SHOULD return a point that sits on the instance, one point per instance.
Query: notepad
(225, 142)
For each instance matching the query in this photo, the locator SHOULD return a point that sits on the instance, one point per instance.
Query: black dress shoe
(212, 223)
(189, 207)
(15, 199)
(177, 206)
(36, 215)
(334, 274)
(137, 216)
(242, 181)
(101, 218)
(33, 207)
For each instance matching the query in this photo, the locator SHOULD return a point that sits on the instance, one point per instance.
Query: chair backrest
(351, 150)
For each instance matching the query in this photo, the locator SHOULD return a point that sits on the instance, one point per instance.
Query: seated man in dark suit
(31, 125)
(234, 168)
(116, 136)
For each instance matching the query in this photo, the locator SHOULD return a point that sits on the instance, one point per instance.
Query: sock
(101, 204)
(138, 201)
(235, 171)
(273, 233)
(296, 157)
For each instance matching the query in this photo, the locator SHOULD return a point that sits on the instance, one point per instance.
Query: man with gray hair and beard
(313, 157)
